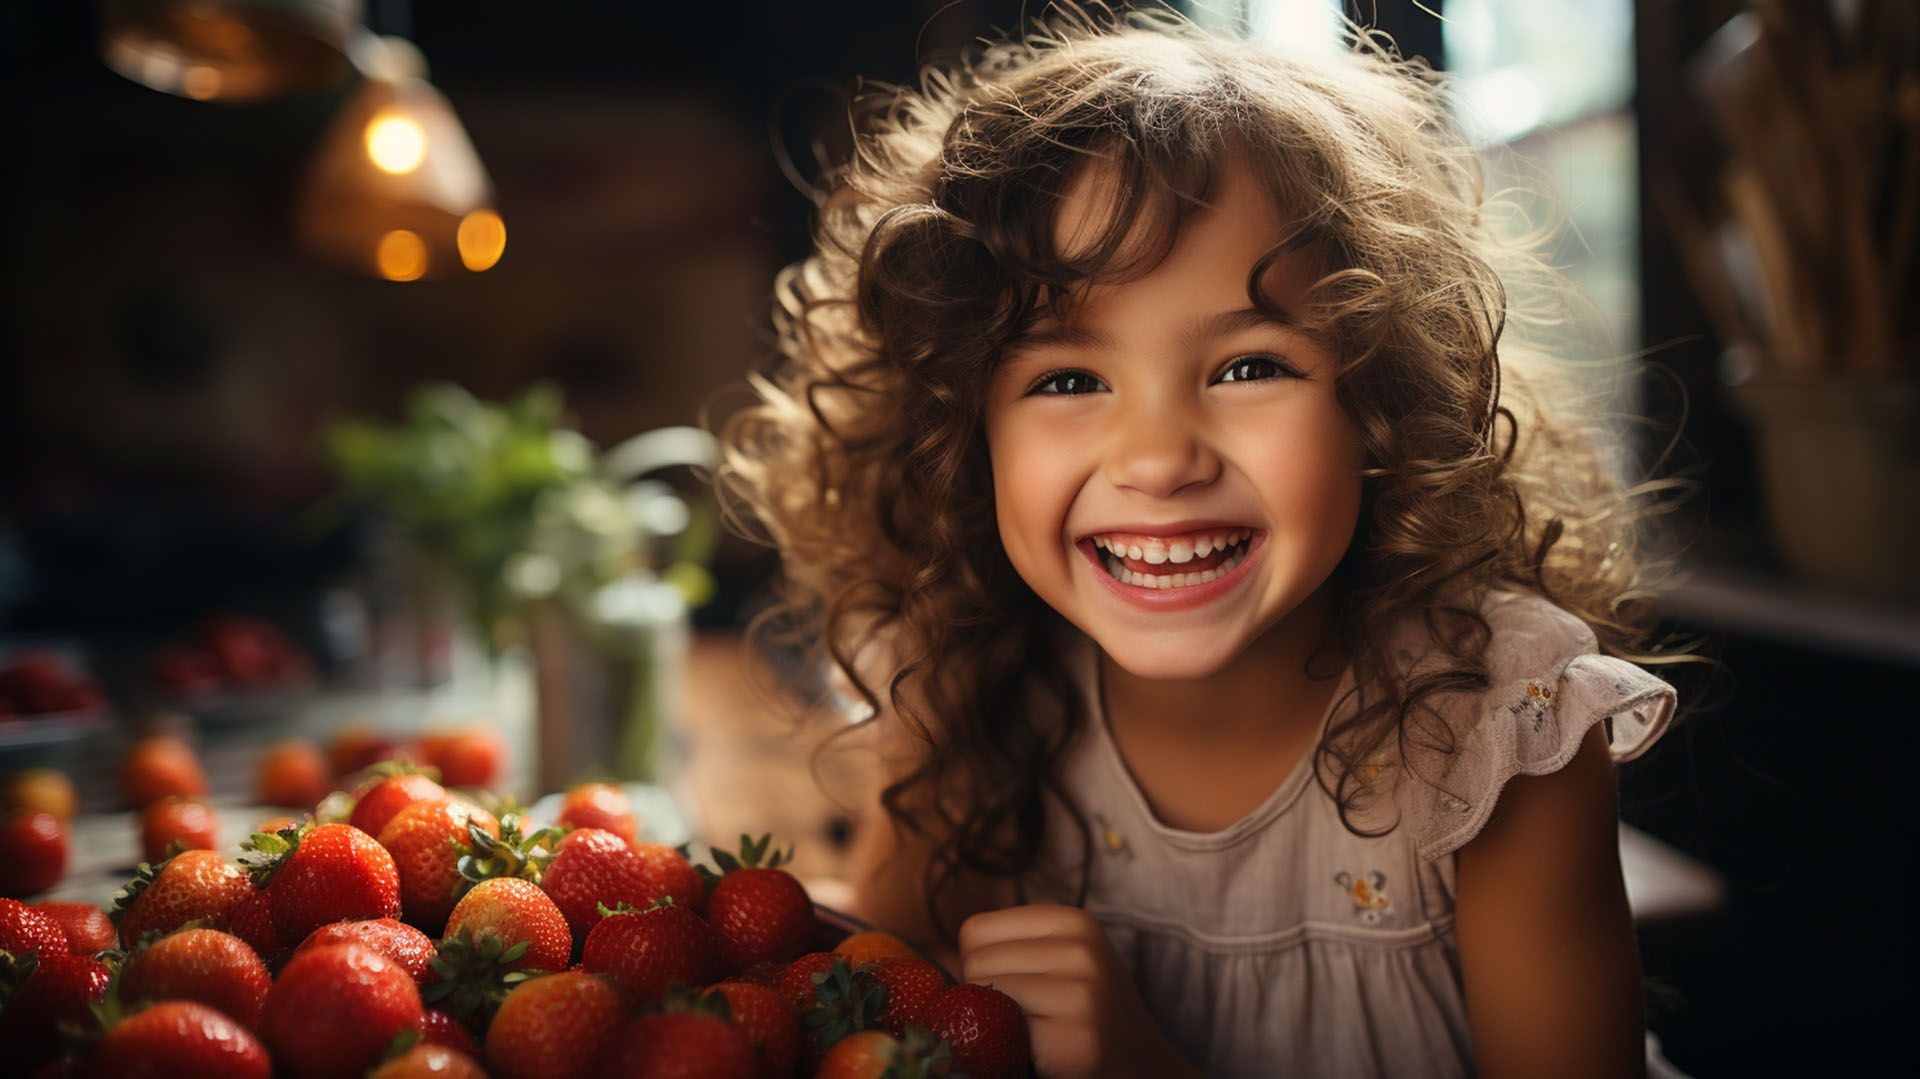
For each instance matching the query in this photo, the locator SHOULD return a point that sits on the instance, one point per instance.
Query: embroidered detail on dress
(1538, 703)
(1368, 892)
(1114, 842)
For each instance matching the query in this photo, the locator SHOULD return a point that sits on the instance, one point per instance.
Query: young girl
(1138, 451)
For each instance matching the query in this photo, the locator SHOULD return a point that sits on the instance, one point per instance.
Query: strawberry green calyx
(753, 855)
(920, 1055)
(143, 878)
(264, 853)
(14, 972)
(471, 974)
(483, 857)
(842, 1004)
(709, 1002)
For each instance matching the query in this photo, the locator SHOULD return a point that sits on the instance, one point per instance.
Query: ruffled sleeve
(1549, 688)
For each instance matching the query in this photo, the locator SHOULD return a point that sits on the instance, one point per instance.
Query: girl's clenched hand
(1083, 1014)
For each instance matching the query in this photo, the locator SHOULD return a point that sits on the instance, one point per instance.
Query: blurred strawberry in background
(33, 852)
(293, 773)
(160, 766)
(191, 824)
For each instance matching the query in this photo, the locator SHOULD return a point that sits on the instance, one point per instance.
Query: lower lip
(1175, 599)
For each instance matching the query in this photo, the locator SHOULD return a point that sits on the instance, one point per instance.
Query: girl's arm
(1547, 949)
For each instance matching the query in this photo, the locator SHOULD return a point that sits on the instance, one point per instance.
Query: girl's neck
(1264, 694)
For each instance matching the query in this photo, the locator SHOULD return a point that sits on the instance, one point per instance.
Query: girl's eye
(1254, 368)
(1065, 384)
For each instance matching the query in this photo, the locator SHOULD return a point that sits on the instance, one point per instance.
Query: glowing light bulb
(396, 143)
(401, 256)
(482, 237)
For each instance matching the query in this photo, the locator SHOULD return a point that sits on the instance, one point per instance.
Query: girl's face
(1171, 470)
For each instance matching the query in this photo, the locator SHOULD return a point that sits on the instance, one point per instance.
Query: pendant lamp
(229, 51)
(396, 189)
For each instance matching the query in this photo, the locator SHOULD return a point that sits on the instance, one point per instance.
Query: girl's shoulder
(1547, 685)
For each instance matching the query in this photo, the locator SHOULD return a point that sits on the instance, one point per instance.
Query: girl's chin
(1165, 658)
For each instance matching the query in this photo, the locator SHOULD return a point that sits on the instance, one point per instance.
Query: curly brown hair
(863, 459)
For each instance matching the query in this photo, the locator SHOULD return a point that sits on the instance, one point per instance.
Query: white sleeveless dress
(1287, 945)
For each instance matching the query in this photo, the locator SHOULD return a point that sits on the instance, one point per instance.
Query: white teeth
(1121, 573)
(1133, 552)
(1179, 551)
(1202, 546)
(1155, 555)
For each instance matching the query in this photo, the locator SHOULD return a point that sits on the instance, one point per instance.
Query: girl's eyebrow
(1223, 324)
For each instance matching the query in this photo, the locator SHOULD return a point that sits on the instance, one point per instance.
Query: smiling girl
(1246, 654)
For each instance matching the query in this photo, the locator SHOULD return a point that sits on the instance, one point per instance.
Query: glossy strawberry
(192, 825)
(650, 951)
(759, 911)
(592, 868)
(552, 1027)
(668, 873)
(600, 805)
(439, 1027)
(326, 873)
(192, 886)
(515, 910)
(33, 852)
(426, 1061)
(217, 969)
(426, 840)
(911, 983)
(987, 1030)
(181, 1038)
(402, 943)
(678, 1044)
(157, 767)
(374, 809)
(768, 1021)
(61, 991)
(252, 921)
(88, 928)
(333, 1010)
(798, 980)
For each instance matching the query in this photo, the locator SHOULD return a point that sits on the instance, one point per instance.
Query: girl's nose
(1160, 455)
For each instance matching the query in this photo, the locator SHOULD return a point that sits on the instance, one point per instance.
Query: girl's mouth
(1161, 563)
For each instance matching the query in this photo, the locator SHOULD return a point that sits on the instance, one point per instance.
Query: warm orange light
(401, 256)
(396, 143)
(200, 83)
(482, 238)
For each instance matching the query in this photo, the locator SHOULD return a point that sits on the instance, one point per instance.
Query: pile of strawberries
(406, 930)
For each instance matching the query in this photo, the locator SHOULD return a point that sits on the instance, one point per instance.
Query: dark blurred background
(171, 361)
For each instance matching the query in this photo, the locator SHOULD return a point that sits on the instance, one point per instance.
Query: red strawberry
(987, 1030)
(62, 990)
(465, 758)
(873, 1054)
(426, 840)
(678, 1045)
(192, 886)
(438, 1027)
(181, 1038)
(429, 1061)
(402, 943)
(516, 911)
(334, 1009)
(552, 1027)
(760, 912)
(593, 868)
(293, 773)
(374, 809)
(769, 1024)
(177, 820)
(252, 922)
(326, 873)
(217, 969)
(669, 873)
(354, 749)
(504, 930)
(88, 928)
(911, 984)
(25, 930)
(797, 982)
(650, 951)
(600, 805)
(157, 767)
(33, 852)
